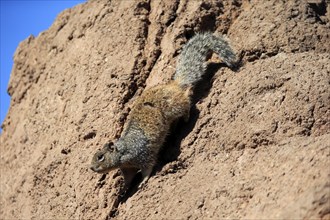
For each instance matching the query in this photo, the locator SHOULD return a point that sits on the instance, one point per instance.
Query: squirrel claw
(142, 184)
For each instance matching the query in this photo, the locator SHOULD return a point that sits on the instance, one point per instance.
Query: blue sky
(19, 19)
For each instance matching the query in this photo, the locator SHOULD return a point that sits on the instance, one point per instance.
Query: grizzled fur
(156, 109)
(191, 64)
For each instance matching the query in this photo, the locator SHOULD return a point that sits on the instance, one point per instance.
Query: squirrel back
(191, 64)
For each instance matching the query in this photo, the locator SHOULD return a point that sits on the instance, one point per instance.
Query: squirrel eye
(100, 158)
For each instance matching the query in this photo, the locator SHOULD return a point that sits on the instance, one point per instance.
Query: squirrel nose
(92, 168)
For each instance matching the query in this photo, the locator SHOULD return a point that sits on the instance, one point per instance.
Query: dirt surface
(257, 145)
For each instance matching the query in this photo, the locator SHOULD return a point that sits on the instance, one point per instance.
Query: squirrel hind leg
(186, 116)
(146, 172)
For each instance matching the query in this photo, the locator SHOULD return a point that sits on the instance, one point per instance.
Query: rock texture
(257, 145)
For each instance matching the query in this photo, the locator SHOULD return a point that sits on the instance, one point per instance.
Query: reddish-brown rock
(257, 144)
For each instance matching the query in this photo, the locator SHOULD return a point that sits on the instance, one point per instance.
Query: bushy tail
(191, 63)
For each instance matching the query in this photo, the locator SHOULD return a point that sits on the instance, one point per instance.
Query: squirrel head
(105, 159)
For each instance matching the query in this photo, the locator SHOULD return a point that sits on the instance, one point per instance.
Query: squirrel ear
(110, 146)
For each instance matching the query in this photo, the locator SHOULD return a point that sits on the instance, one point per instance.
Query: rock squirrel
(157, 108)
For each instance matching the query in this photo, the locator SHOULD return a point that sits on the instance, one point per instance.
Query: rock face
(257, 144)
